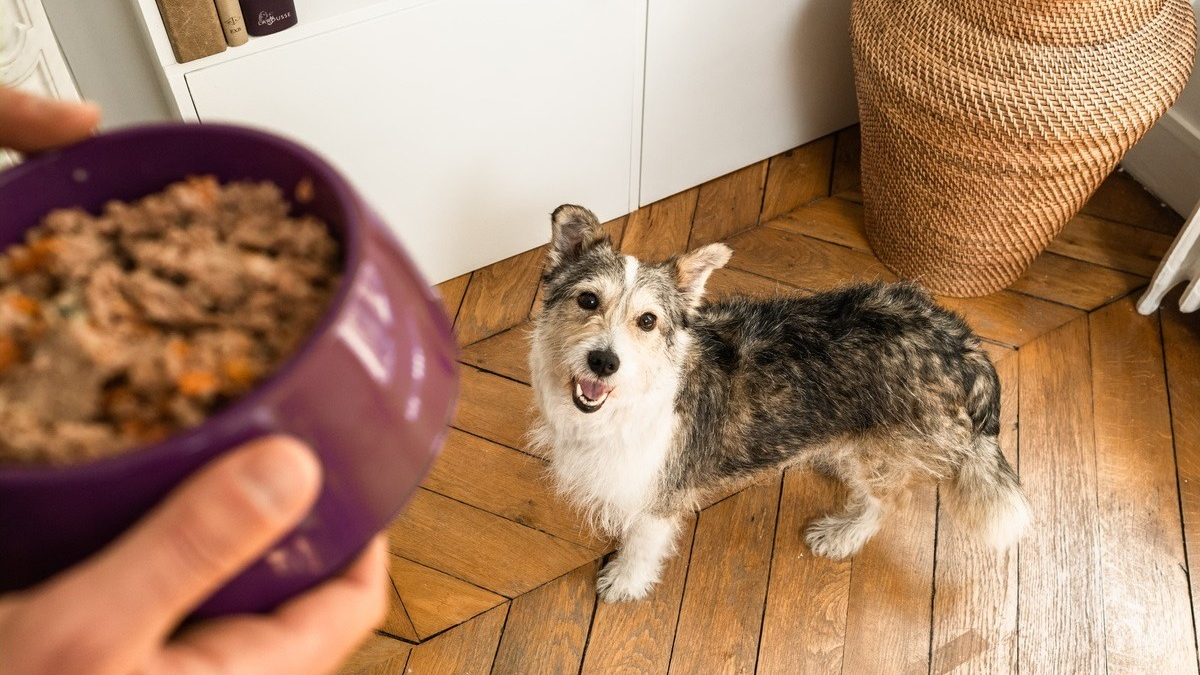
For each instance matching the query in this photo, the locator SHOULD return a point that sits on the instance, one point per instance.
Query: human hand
(30, 123)
(114, 614)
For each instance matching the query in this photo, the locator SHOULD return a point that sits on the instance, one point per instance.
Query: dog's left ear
(573, 230)
(693, 269)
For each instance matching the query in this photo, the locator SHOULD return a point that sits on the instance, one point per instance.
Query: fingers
(310, 635)
(211, 527)
(29, 123)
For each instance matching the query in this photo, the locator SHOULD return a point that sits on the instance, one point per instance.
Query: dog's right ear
(574, 230)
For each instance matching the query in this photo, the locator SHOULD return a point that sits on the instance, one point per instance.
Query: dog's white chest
(609, 463)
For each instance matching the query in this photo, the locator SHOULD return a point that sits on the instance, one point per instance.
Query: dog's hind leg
(645, 544)
(841, 535)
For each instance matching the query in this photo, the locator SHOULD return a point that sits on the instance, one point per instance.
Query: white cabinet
(731, 82)
(465, 122)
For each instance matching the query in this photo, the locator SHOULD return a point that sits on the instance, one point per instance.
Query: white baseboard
(1167, 162)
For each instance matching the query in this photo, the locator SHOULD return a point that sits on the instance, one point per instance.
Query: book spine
(193, 28)
(230, 13)
(264, 17)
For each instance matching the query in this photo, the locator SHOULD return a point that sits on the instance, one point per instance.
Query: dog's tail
(985, 496)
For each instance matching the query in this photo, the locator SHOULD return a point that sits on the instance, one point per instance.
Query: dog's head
(611, 326)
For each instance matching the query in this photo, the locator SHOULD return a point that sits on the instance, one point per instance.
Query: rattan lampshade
(986, 124)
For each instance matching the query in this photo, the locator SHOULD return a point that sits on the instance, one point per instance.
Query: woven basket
(986, 124)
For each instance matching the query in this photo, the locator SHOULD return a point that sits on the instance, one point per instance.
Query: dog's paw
(836, 537)
(620, 583)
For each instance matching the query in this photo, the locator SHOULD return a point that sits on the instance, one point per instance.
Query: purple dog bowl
(372, 389)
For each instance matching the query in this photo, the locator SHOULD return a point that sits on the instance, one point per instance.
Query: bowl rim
(182, 442)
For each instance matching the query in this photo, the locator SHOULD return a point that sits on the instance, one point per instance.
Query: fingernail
(282, 475)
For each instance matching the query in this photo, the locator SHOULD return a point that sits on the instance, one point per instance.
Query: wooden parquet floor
(1101, 414)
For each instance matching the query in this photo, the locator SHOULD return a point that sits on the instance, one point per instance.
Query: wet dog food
(120, 328)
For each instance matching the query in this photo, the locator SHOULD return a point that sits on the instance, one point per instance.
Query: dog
(649, 397)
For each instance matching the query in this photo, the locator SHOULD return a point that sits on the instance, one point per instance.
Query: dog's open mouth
(589, 395)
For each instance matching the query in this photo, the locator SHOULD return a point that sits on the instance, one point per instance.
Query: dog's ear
(693, 269)
(574, 230)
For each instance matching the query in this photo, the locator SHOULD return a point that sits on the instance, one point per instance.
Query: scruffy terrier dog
(651, 397)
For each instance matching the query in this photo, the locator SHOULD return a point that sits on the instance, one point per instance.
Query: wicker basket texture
(986, 124)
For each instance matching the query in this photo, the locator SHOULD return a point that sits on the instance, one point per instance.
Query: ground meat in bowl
(119, 329)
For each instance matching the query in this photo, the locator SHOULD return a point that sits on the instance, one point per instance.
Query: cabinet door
(729, 83)
(464, 122)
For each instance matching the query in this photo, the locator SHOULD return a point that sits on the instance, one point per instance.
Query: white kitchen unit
(465, 122)
(732, 82)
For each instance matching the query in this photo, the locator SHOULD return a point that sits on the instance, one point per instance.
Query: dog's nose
(603, 362)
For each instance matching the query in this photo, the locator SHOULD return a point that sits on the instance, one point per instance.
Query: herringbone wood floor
(493, 574)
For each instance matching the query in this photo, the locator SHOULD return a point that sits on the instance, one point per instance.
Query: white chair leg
(1181, 263)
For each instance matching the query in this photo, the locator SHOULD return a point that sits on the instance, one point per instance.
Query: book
(264, 17)
(230, 14)
(193, 28)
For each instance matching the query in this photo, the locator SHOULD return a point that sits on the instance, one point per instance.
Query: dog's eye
(647, 322)
(588, 300)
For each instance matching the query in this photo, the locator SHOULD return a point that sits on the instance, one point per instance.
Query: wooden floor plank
(1120, 198)
(997, 352)
(721, 614)
(635, 638)
(468, 649)
(435, 601)
(548, 626)
(495, 408)
(1115, 245)
(1181, 342)
(505, 353)
(803, 261)
(1060, 606)
(662, 229)
(377, 655)
(804, 624)
(975, 597)
(1010, 318)
(615, 229)
(452, 293)
(797, 177)
(397, 622)
(1053, 277)
(728, 205)
(499, 296)
(1080, 284)
(479, 547)
(1141, 537)
(847, 156)
(508, 483)
(834, 220)
(854, 194)
(726, 282)
(891, 588)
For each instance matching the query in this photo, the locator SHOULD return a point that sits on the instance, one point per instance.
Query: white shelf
(316, 17)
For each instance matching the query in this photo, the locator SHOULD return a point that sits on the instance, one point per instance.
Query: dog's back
(872, 380)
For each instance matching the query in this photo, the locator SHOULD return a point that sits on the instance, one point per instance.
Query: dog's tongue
(593, 389)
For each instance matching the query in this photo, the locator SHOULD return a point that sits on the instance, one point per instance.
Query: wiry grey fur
(874, 384)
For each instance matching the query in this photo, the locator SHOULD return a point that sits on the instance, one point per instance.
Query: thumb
(210, 528)
(29, 123)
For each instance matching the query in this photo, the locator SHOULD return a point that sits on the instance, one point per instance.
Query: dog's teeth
(590, 402)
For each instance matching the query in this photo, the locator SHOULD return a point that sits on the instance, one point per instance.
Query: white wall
(109, 59)
(1167, 159)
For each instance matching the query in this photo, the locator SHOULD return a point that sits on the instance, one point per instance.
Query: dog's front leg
(644, 546)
